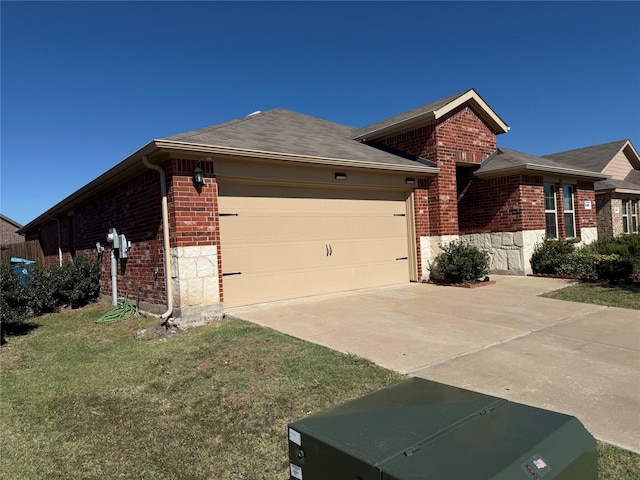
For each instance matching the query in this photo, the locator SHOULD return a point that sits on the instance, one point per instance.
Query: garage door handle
(402, 258)
(329, 250)
(231, 273)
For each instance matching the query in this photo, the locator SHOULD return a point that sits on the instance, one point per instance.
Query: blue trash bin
(22, 268)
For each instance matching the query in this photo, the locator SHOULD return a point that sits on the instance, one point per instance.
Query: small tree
(460, 262)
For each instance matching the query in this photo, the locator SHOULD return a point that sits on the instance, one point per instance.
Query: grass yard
(623, 296)
(86, 401)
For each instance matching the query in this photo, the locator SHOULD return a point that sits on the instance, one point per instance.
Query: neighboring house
(293, 206)
(618, 197)
(9, 231)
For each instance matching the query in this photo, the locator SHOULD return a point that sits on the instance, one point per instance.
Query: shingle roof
(631, 183)
(506, 161)
(634, 177)
(427, 113)
(594, 158)
(401, 117)
(286, 132)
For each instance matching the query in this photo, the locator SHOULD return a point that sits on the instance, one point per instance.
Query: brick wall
(585, 218)
(421, 215)
(134, 210)
(505, 204)
(192, 214)
(8, 233)
(604, 215)
(459, 137)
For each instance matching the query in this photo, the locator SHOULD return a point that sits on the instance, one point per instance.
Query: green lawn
(623, 296)
(87, 401)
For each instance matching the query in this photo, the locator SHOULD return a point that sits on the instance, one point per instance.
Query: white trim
(553, 211)
(266, 155)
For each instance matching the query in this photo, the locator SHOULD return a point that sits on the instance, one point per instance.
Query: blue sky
(85, 84)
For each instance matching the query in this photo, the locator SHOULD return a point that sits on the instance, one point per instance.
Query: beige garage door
(286, 242)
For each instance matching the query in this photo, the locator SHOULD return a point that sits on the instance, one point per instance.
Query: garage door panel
(257, 257)
(293, 242)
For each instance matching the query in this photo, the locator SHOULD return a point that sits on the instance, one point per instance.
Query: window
(625, 216)
(550, 210)
(569, 212)
(629, 216)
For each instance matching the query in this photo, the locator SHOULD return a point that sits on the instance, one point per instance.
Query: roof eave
(491, 117)
(541, 169)
(429, 117)
(133, 160)
(624, 191)
(419, 120)
(173, 145)
(100, 182)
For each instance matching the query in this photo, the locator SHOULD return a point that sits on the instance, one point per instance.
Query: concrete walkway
(502, 340)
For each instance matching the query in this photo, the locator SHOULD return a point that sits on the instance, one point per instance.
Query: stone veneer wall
(509, 252)
(588, 235)
(196, 288)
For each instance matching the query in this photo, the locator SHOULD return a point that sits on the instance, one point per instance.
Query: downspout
(165, 234)
(59, 242)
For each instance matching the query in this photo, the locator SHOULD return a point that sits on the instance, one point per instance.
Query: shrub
(578, 264)
(609, 258)
(85, 285)
(460, 263)
(43, 290)
(13, 300)
(627, 247)
(74, 283)
(549, 254)
(613, 267)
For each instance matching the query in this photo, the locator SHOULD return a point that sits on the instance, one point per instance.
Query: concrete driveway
(502, 340)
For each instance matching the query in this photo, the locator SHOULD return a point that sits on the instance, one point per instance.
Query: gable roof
(428, 114)
(596, 157)
(290, 135)
(275, 134)
(511, 162)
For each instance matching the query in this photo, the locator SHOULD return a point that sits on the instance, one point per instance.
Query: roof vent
(254, 113)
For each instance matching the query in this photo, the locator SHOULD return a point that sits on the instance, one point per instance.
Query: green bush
(85, 284)
(50, 287)
(610, 258)
(578, 264)
(460, 263)
(627, 247)
(43, 290)
(614, 267)
(549, 254)
(13, 300)
(74, 284)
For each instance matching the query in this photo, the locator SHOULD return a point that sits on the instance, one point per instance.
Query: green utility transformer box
(420, 429)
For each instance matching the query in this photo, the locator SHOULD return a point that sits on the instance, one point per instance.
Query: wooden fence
(30, 250)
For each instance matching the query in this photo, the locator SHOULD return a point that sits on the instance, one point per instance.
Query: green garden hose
(118, 313)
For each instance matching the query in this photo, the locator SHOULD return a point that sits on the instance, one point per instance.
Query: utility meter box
(420, 429)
